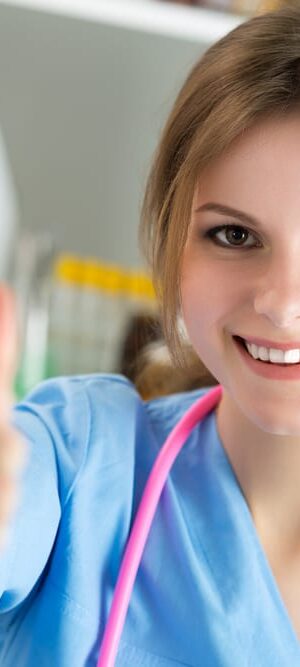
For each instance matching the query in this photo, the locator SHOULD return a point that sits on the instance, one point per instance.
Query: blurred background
(86, 86)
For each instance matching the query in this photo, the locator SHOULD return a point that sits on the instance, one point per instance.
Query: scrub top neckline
(273, 586)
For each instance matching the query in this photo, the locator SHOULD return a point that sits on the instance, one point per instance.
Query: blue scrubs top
(204, 595)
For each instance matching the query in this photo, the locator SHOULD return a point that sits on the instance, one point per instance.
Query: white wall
(81, 106)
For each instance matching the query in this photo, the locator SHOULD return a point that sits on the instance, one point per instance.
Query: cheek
(209, 307)
(201, 323)
(212, 289)
(197, 311)
(205, 323)
(193, 298)
(202, 293)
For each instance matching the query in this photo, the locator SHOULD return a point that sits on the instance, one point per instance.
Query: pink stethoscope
(143, 520)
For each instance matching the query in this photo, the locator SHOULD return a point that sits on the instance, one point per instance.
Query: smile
(267, 369)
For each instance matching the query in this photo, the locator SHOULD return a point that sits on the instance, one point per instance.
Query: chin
(266, 416)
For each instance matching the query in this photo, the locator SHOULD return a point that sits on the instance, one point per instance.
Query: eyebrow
(228, 210)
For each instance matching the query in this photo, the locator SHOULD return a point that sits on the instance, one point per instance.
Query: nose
(277, 296)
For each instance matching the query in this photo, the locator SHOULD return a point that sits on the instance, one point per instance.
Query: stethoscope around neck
(143, 520)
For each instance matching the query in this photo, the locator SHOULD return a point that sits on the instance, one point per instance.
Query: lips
(265, 369)
(241, 340)
(242, 343)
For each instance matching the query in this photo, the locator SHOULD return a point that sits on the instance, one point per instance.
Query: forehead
(261, 165)
(271, 135)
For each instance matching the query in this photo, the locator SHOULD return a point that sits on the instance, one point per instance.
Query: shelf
(151, 16)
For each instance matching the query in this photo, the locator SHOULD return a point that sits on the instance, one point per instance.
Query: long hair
(250, 74)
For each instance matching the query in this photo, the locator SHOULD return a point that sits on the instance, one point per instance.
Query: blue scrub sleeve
(54, 418)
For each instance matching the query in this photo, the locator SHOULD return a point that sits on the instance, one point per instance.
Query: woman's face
(246, 282)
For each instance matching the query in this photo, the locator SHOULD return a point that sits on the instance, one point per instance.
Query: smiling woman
(257, 265)
(220, 228)
(218, 582)
(250, 75)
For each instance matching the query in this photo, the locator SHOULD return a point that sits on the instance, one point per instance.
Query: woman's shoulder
(73, 408)
(114, 396)
(97, 414)
(72, 402)
(107, 391)
(79, 395)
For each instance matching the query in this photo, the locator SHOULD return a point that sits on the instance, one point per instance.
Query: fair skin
(255, 292)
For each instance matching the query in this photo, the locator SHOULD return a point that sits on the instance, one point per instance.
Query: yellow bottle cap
(93, 271)
(112, 279)
(69, 268)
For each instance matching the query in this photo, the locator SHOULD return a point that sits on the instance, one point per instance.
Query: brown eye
(234, 236)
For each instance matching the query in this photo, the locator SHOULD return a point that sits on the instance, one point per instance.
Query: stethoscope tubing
(143, 520)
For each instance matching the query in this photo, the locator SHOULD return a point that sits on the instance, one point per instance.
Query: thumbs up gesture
(13, 450)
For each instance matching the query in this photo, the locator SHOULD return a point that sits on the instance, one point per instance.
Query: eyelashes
(239, 235)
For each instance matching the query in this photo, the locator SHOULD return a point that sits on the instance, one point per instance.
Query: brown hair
(251, 73)
(155, 375)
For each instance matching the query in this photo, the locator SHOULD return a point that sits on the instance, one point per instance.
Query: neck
(267, 467)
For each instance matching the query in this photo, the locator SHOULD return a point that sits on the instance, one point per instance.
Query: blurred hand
(13, 449)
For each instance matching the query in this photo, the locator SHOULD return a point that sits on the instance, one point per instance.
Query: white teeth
(263, 353)
(252, 349)
(273, 355)
(292, 356)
